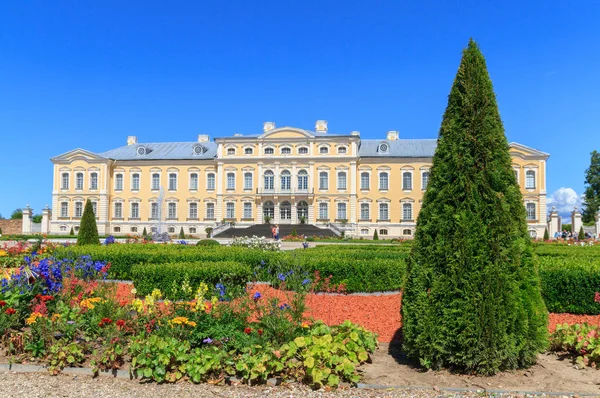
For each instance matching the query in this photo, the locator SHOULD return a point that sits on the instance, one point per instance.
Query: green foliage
(375, 235)
(208, 242)
(581, 341)
(63, 354)
(88, 231)
(0, 231)
(145, 233)
(181, 234)
(581, 233)
(17, 214)
(591, 200)
(294, 232)
(472, 299)
(71, 232)
(546, 236)
(159, 359)
(567, 227)
(37, 218)
(170, 277)
(208, 231)
(111, 357)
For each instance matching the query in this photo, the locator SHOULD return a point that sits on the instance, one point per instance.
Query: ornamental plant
(88, 231)
(546, 236)
(472, 299)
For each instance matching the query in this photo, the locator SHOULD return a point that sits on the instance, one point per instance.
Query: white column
(575, 220)
(259, 213)
(553, 223)
(598, 224)
(294, 211)
(27, 212)
(46, 216)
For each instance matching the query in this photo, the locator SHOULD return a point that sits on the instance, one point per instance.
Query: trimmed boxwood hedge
(165, 277)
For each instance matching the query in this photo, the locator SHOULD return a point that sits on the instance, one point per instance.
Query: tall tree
(591, 196)
(88, 231)
(472, 299)
(37, 218)
(17, 214)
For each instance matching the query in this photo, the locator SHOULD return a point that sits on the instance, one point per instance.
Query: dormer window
(269, 151)
(302, 150)
(248, 151)
(141, 151)
(323, 150)
(286, 150)
(230, 151)
(199, 149)
(384, 147)
(342, 150)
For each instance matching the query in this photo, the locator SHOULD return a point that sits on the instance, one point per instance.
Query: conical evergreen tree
(472, 299)
(181, 234)
(88, 231)
(144, 233)
(375, 235)
(581, 233)
(546, 235)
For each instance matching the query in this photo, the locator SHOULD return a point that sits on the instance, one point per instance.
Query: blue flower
(221, 288)
(257, 296)
(306, 281)
(207, 340)
(284, 307)
(281, 277)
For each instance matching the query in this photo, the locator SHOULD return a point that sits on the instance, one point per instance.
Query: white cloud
(565, 199)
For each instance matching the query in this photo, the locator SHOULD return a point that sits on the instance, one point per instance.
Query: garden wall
(11, 227)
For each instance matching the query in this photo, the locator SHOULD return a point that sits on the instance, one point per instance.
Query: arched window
(64, 181)
(302, 180)
(171, 230)
(364, 180)
(192, 230)
(248, 151)
(230, 151)
(94, 181)
(383, 181)
(323, 180)
(531, 213)
(286, 181)
(407, 181)
(341, 180)
(342, 150)
(364, 211)
(424, 180)
(406, 232)
(79, 181)
(210, 181)
(364, 231)
(119, 182)
(384, 211)
(269, 180)
(194, 181)
(63, 228)
(285, 211)
(530, 179)
(268, 210)
(303, 150)
(172, 182)
(286, 150)
(134, 229)
(230, 180)
(172, 210)
(302, 211)
(407, 212)
(269, 151)
(323, 150)
(155, 182)
(247, 180)
(135, 182)
(194, 210)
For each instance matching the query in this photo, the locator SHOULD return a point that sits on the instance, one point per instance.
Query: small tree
(88, 231)
(581, 234)
(375, 235)
(181, 234)
(144, 233)
(591, 196)
(294, 232)
(17, 214)
(546, 236)
(71, 232)
(208, 231)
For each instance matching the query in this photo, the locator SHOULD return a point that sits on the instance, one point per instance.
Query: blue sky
(88, 74)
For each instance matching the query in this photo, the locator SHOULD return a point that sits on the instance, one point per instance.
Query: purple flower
(306, 281)
(207, 340)
(70, 322)
(281, 277)
(257, 296)
(284, 306)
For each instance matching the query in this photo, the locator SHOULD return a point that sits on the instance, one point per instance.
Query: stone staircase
(284, 230)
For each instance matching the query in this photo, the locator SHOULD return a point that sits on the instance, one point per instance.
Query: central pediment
(286, 132)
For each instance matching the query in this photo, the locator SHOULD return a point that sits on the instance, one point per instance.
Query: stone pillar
(27, 220)
(575, 220)
(46, 217)
(553, 223)
(294, 212)
(598, 225)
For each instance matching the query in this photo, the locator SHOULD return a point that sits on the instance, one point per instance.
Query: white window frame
(410, 211)
(118, 210)
(172, 215)
(301, 148)
(230, 210)
(342, 214)
(194, 181)
(362, 187)
(527, 180)
(211, 181)
(271, 176)
(228, 186)
(193, 210)
(119, 181)
(64, 209)
(153, 215)
(139, 177)
(247, 211)
(94, 181)
(323, 211)
(64, 186)
(531, 216)
(78, 213)
(342, 150)
(210, 211)
(288, 176)
(134, 210)
(364, 231)
(368, 207)
(387, 181)
(323, 150)
(95, 208)
(152, 185)
(270, 149)
(324, 187)
(383, 232)
(248, 183)
(302, 178)
(248, 151)
(384, 207)
(287, 148)
(410, 176)
(344, 186)
(424, 183)
(169, 175)
(230, 149)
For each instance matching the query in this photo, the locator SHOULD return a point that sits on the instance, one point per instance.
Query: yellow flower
(55, 317)
(33, 317)
(304, 325)
(3, 253)
(138, 305)
(156, 294)
(134, 291)
(181, 320)
(89, 302)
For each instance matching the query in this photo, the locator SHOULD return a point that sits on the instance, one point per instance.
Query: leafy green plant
(159, 358)
(63, 354)
(208, 242)
(110, 357)
(581, 341)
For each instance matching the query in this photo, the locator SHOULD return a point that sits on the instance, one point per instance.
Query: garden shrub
(472, 299)
(88, 231)
(208, 242)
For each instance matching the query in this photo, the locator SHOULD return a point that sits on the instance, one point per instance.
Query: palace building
(284, 175)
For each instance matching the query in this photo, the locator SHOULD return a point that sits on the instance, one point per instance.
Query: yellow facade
(286, 174)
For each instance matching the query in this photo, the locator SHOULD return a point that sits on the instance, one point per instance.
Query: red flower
(10, 311)
(104, 322)
(248, 330)
(260, 332)
(2, 303)
(121, 323)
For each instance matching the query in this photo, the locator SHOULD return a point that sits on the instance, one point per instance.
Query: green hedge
(170, 277)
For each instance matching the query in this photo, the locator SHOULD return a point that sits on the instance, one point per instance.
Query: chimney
(392, 135)
(203, 138)
(268, 126)
(321, 126)
(131, 140)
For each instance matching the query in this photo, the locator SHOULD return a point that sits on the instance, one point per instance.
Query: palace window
(286, 181)
(63, 228)
(155, 182)
(117, 229)
(384, 211)
(323, 211)
(286, 150)
(342, 150)
(323, 180)
(119, 182)
(231, 151)
(210, 181)
(269, 151)
(383, 232)
(406, 232)
(64, 209)
(269, 179)
(303, 150)
(230, 210)
(364, 180)
(79, 181)
(210, 211)
(424, 180)
(341, 211)
(383, 181)
(192, 230)
(95, 208)
(364, 211)
(133, 229)
(302, 180)
(64, 181)
(78, 209)
(247, 180)
(530, 179)
(172, 210)
(194, 181)
(407, 212)
(341, 181)
(172, 182)
(407, 181)
(154, 210)
(135, 210)
(323, 150)
(531, 213)
(364, 231)
(171, 230)
(135, 182)
(247, 210)
(248, 151)
(194, 210)
(118, 210)
(230, 180)
(94, 181)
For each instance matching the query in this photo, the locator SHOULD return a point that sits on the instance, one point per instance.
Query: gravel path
(37, 385)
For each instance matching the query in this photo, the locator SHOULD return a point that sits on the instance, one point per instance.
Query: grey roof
(162, 150)
(314, 133)
(398, 148)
